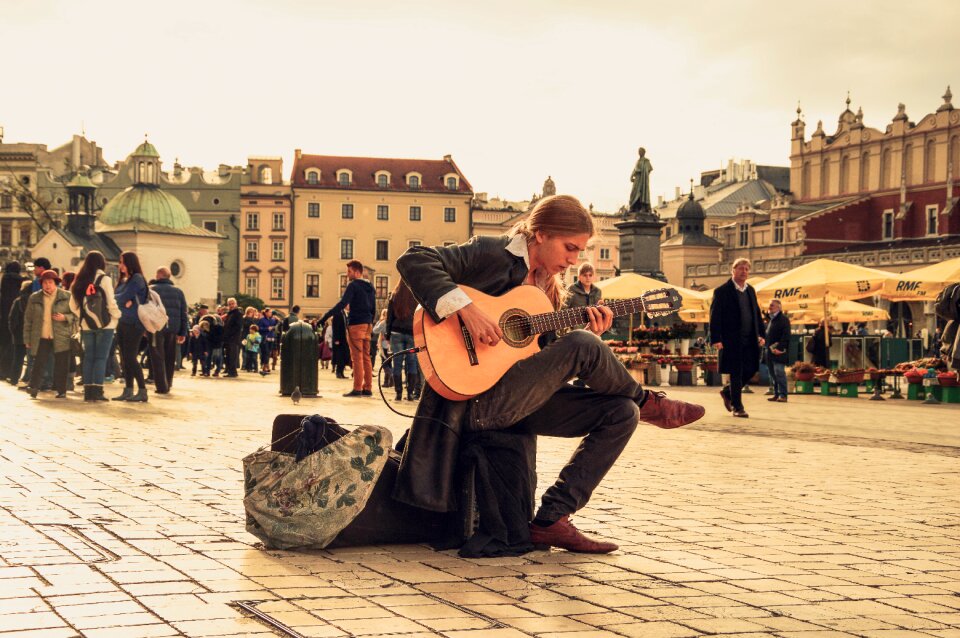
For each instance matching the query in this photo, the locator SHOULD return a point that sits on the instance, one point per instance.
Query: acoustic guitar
(457, 368)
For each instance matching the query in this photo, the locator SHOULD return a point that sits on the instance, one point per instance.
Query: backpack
(151, 313)
(94, 311)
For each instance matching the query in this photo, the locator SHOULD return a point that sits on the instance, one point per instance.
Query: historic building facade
(370, 209)
(266, 221)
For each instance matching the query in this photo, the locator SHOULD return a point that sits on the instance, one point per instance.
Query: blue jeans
(214, 358)
(778, 376)
(96, 347)
(398, 342)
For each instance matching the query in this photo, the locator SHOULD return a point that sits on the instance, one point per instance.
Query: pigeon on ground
(296, 396)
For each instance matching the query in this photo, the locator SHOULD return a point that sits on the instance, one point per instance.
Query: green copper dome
(146, 150)
(147, 204)
(80, 181)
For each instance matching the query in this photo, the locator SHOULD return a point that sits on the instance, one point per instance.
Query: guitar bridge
(468, 342)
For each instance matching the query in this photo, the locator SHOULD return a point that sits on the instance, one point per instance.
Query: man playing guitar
(534, 394)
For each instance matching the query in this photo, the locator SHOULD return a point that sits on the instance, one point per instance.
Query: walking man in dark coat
(10, 284)
(736, 331)
(778, 340)
(232, 336)
(163, 344)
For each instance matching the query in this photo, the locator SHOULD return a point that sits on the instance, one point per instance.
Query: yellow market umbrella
(843, 310)
(815, 280)
(922, 284)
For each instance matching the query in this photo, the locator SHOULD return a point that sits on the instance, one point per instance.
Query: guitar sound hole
(515, 324)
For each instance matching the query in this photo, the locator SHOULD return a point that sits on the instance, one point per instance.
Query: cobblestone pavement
(820, 517)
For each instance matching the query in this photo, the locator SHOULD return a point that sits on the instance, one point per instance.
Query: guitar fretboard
(570, 317)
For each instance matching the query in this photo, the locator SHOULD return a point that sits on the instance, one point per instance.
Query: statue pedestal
(640, 244)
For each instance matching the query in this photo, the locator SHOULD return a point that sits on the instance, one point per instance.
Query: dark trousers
(6, 351)
(233, 357)
(128, 338)
(534, 396)
(16, 362)
(163, 359)
(61, 364)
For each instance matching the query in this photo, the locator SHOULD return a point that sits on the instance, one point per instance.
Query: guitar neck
(578, 316)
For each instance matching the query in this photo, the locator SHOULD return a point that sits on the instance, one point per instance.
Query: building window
(668, 232)
(778, 231)
(414, 213)
(253, 221)
(278, 251)
(6, 202)
(6, 234)
(744, 234)
(252, 287)
(346, 249)
(343, 284)
(932, 212)
(382, 180)
(216, 201)
(888, 224)
(604, 253)
(313, 248)
(266, 175)
(312, 286)
(276, 287)
(346, 211)
(343, 178)
(383, 212)
(382, 285)
(313, 178)
(449, 214)
(413, 181)
(383, 250)
(414, 242)
(253, 250)
(715, 230)
(210, 225)
(278, 221)
(451, 183)
(313, 209)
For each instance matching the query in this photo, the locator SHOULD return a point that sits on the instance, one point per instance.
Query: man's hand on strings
(601, 318)
(482, 328)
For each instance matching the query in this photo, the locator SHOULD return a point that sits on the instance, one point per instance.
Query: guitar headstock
(660, 302)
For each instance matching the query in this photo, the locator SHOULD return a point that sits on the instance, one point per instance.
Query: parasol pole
(826, 324)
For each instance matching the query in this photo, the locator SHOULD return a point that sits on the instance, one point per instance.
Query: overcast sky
(514, 90)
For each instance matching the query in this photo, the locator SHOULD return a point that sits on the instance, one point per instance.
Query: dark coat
(17, 310)
(819, 352)
(578, 297)
(233, 327)
(9, 290)
(362, 299)
(725, 322)
(778, 338)
(428, 469)
(400, 326)
(340, 347)
(175, 303)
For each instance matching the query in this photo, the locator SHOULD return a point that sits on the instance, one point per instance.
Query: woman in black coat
(9, 291)
(817, 347)
(341, 349)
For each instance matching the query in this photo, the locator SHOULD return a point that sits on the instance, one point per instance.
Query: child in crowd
(251, 348)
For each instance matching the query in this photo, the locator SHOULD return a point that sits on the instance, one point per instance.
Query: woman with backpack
(130, 293)
(92, 300)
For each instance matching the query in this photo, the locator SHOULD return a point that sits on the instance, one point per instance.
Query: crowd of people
(59, 331)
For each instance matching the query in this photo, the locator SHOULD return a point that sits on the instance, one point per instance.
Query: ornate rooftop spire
(901, 113)
(947, 101)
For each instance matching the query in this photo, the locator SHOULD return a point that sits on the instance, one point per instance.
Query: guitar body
(446, 362)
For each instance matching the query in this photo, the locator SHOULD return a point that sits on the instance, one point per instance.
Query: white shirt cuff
(452, 302)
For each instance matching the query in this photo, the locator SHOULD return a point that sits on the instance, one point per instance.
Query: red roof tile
(364, 170)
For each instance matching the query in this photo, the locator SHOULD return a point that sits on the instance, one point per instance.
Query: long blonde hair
(561, 215)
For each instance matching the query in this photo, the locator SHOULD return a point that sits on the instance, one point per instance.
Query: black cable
(387, 403)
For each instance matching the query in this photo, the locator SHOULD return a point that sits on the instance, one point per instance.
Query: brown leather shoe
(774, 398)
(727, 401)
(782, 400)
(741, 413)
(662, 412)
(564, 535)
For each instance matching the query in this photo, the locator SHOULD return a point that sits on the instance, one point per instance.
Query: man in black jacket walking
(163, 344)
(736, 331)
(362, 299)
(232, 336)
(778, 340)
